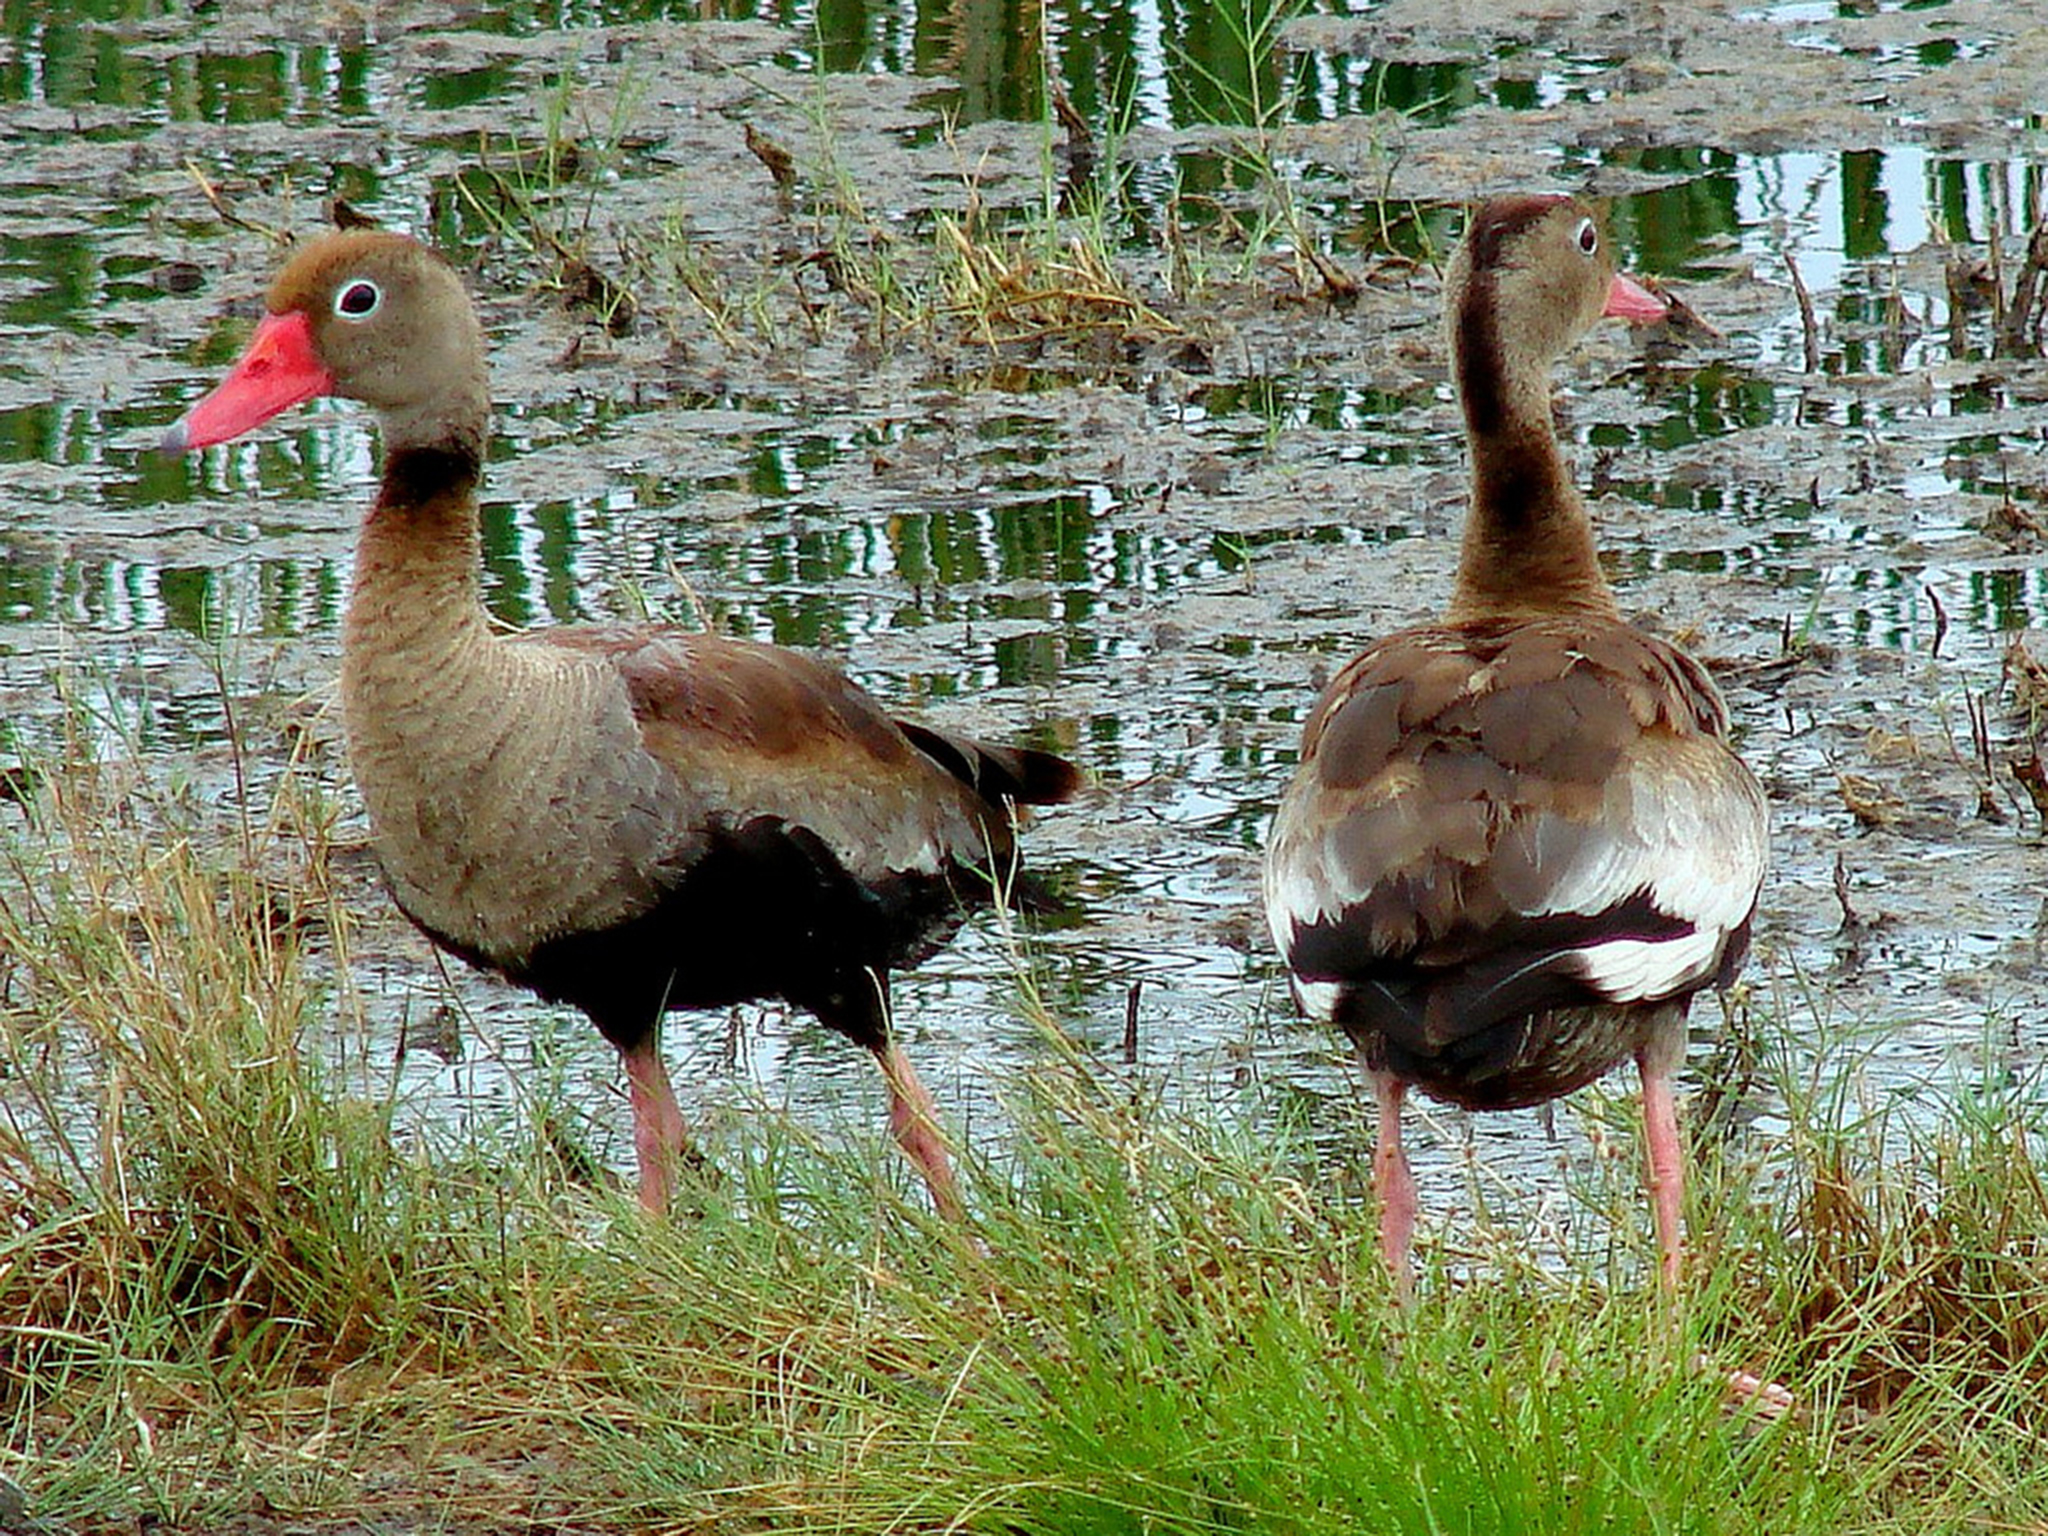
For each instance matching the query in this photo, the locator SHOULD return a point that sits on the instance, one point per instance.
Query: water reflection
(1167, 65)
(102, 54)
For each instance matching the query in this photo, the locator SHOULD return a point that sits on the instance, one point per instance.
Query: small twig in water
(1808, 325)
(213, 196)
(2016, 336)
(1940, 621)
(1996, 251)
(1979, 707)
(1851, 923)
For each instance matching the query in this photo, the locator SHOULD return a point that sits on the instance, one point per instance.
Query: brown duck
(1518, 841)
(631, 819)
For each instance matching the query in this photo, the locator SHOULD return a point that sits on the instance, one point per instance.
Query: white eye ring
(1588, 236)
(358, 299)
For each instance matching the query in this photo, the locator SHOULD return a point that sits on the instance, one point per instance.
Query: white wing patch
(1703, 820)
(1295, 899)
(1682, 820)
(1318, 998)
(1549, 863)
(1645, 970)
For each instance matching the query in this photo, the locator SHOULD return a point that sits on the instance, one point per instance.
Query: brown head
(368, 315)
(1533, 275)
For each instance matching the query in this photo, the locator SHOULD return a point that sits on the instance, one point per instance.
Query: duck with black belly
(1518, 842)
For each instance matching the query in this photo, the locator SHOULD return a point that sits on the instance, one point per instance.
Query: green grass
(230, 1290)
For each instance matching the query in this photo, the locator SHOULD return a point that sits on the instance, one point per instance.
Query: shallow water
(1144, 555)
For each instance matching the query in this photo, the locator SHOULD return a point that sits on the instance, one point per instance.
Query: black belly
(1516, 1062)
(766, 912)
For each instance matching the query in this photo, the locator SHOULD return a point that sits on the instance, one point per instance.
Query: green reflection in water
(521, 18)
(61, 275)
(1713, 402)
(1866, 210)
(530, 559)
(1951, 195)
(1670, 230)
(298, 597)
(2009, 599)
(994, 49)
(80, 54)
(467, 87)
(27, 589)
(1029, 659)
(1269, 404)
(190, 598)
(222, 88)
(71, 54)
(39, 434)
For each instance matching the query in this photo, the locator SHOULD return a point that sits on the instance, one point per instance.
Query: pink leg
(914, 1122)
(1396, 1185)
(1667, 1163)
(1667, 1197)
(658, 1135)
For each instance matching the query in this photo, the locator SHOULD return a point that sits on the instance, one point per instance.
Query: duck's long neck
(416, 600)
(423, 678)
(1528, 547)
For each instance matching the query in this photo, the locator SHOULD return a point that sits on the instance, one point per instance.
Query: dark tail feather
(1019, 774)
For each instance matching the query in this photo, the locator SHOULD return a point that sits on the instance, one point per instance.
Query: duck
(1518, 841)
(632, 819)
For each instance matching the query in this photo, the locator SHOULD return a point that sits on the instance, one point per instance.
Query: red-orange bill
(1628, 299)
(277, 372)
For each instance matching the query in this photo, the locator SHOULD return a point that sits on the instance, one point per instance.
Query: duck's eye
(1589, 237)
(358, 299)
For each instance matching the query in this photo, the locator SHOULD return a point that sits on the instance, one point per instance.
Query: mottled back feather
(1496, 821)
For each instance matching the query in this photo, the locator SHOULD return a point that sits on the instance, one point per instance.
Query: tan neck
(416, 597)
(427, 689)
(1528, 548)
(477, 755)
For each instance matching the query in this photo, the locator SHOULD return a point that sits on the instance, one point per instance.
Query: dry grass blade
(2026, 671)
(2032, 775)
(217, 200)
(1870, 802)
(1010, 293)
(780, 163)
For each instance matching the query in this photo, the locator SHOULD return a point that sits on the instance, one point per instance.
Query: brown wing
(1490, 820)
(757, 731)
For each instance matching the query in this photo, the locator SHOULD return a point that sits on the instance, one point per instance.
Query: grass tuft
(234, 1288)
(1010, 291)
